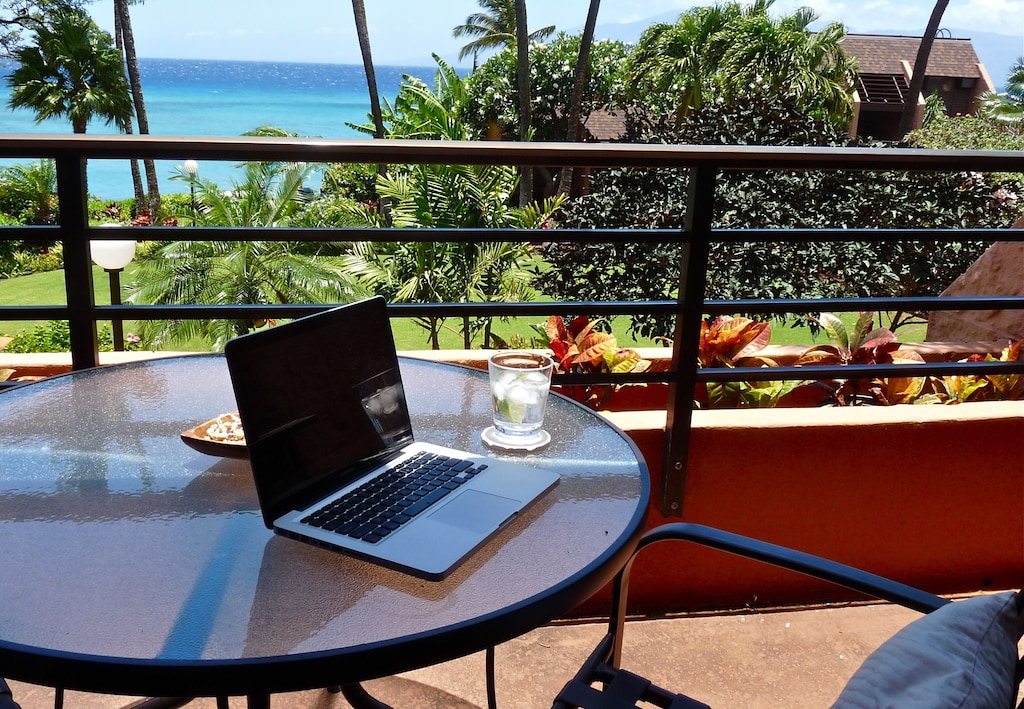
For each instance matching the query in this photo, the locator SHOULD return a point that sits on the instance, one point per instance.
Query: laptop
(333, 456)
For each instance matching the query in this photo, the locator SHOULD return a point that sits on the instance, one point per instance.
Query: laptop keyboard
(382, 505)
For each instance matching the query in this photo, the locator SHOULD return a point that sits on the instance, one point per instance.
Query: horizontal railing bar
(655, 236)
(401, 310)
(857, 371)
(851, 305)
(660, 377)
(538, 308)
(748, 157)
(33, 312)
(664, 307)
(769, 236)
(355, 234)
(808, 373)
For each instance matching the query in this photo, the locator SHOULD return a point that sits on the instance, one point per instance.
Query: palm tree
(785, 58)
(126, 40)
(494, 28)
(729, 50)
(363, 34)
(1007, 107)
(576, 104)
(139, 188)
(72, 70)
(673, 63)
(232, 272)
(924, 50)
(525, 102)
(445, 196)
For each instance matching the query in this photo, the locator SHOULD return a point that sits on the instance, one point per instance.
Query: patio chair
(6, 697)
(960, 654)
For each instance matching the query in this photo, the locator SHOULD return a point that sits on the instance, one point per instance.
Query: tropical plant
(728, 51)
(420, 112)
(581, 348)
(493, 29)
(1008, 107)
(34, 187)
(865, 344)
(73, 71)
(731, 342)
(991, 387)
(233, 272)
(428, 271)
(445, 196)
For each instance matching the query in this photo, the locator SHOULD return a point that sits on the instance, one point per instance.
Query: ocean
(225, 99)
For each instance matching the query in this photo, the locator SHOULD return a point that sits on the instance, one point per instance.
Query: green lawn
(48, 289)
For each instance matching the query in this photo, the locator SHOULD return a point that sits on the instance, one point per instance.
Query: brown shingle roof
(605, 126)
(882, 54)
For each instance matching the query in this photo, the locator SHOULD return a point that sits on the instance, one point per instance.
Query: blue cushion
(961, 656)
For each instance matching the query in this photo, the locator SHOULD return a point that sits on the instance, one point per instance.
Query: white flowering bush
(493, 93)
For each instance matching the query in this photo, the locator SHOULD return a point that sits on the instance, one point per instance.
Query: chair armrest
(782, 557)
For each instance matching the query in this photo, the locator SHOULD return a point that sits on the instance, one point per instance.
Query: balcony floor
(794, 659)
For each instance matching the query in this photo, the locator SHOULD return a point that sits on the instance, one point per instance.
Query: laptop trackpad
(476, 511)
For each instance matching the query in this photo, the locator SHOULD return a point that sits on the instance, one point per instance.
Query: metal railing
(695, 239)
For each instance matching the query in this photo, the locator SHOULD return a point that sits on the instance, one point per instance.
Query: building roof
(882, 54)
(605, 126)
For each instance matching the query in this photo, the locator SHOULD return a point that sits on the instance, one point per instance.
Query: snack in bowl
(226, 428)
(222, 436)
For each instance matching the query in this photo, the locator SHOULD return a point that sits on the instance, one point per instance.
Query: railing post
(74, 225)
(693, 267)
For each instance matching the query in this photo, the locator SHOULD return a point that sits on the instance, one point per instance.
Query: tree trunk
(525, 103)
(363, 33)
(921, 67)
(576, 104)
(140, 192)
(135, 81)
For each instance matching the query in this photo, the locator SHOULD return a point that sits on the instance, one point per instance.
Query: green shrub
(53, 336)
(357, 182)
(175, 207)
(108, 211)
(40, 260)
(625, 198)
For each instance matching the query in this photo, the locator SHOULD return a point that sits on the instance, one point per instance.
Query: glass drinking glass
(520, 382)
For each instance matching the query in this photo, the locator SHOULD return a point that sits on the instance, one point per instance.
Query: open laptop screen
(317, 396)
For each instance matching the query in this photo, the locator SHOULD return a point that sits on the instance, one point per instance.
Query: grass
(48, 289)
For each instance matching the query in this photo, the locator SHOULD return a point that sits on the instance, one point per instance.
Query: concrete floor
(798, 659)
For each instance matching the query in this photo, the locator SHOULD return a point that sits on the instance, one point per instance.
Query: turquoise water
(227, 98)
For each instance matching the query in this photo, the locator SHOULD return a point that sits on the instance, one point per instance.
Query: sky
(407, 32)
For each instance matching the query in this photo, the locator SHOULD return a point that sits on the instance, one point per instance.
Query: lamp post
(191, 168)
(112, 257)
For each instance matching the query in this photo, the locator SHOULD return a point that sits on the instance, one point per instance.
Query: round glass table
(133, 564)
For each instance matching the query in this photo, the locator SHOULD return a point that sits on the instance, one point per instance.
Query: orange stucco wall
(930, 495)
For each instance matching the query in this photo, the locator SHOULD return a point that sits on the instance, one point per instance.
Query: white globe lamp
(112, 257)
